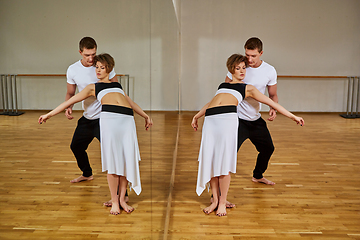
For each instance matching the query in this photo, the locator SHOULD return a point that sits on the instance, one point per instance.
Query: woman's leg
(122, 190)
(224, 184)
(214, 185)
(113, 182)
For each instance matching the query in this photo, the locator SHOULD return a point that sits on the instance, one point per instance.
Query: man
(80, 74)
(261, 75)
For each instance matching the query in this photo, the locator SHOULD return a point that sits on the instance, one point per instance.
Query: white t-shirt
(83, 76)
(260, 77)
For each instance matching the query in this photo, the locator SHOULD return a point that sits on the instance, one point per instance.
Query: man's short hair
(235, 60)
(88, 43)
(106, 60)
(254, 43)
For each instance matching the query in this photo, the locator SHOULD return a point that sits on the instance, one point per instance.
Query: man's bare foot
(210, 208)
(115, 209)
(109, 203)
(262, 180)
(127, 208)
(228, 204)
(221, 211)
(82, 178)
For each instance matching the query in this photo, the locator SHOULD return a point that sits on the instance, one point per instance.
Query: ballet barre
(352, 107)
(9, 90)
(353, 93)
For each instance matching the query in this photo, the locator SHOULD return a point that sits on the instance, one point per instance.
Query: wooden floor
(316, 168)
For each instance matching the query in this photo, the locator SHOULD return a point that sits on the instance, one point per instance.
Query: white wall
(42, 36)
(306, 37)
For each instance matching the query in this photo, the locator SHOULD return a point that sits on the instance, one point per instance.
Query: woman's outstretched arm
(85, 93)
(252, 92)
(194, 122)
(138, 110)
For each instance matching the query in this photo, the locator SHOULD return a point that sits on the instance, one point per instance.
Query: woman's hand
(194, 123)
(299, 120)
(43, 118)
(148, 123)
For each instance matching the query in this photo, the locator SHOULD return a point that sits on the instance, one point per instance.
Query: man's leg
(243, 132)
(83, 135)
(261, 138)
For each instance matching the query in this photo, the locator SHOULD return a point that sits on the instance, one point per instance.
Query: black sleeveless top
(235, 89)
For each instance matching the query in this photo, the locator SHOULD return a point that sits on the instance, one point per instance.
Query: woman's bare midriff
(223, 99)
(115, 98)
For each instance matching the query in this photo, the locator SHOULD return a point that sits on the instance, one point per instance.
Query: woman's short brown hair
(106, 60)
(235, 60)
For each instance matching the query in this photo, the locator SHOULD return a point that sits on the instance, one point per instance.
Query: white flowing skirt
(218, 150)
(119, 147)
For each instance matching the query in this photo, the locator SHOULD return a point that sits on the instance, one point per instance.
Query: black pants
(259, 135)
(84, 133)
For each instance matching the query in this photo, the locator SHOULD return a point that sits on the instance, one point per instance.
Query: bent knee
(75, 147)
(267, 150)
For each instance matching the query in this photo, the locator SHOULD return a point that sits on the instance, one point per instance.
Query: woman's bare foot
(221, 211)
(127, 208)
(115, 209)
(262, 180)
(228, 204)
(210, 208)
(109, 203)
(81, 179)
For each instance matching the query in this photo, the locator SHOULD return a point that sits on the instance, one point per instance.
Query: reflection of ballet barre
(9, 94)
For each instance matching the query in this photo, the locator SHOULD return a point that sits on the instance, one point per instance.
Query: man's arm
(71, 88)
(272, 90)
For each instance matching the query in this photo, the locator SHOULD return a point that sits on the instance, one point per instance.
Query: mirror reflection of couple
(231, 117)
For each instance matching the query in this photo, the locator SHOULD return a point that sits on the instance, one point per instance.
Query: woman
(119, 146)
(218, 150)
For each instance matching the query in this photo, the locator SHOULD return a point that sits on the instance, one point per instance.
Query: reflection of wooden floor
(316, 168)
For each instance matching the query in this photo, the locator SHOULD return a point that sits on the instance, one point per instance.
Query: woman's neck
(105, 80)
(234, 80)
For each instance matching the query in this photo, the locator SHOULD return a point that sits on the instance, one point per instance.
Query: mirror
(42, 37)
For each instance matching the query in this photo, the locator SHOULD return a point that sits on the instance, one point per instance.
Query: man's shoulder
(267, 65)
(72, 71)
(75, 65)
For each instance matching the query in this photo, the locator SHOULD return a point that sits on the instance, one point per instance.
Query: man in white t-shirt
(261, 75)
(80, 74)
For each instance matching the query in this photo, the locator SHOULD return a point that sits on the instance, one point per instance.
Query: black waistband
(220, 110)
(117, 109)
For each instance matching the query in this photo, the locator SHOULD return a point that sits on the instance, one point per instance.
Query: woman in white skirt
(218, 150)
(119, 146)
